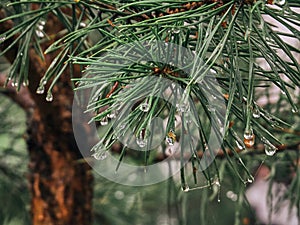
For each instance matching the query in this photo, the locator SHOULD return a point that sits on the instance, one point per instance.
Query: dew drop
(144, 107)
(248, 134)
(171, 137)
(170, 141)
(295, 110)
(49, 97)
(250, 180)
(240, 145)
(100, 155)
(176, 31)
(270, 150)
(119, 195)
(82, 24)
(42, 22)
(40, 90)
(256, 113)
(40, 27)
(2, 38)
(185, 188)
(205, 147)
(112, 114)
(232, 196)
(104, 121)
(249, 142)
(249, 138)
(217, 183)
(15, 84)
(43, 82)
(280, 2)
(39, 33)
(140, 140)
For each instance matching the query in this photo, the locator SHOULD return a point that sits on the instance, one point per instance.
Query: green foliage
(13, 165)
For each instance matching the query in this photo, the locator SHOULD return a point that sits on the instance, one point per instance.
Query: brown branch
(259, 149)
(22, 98)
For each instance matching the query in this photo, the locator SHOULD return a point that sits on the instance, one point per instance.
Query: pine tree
(184, 77)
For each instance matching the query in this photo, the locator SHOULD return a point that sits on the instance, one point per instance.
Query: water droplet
(43, 82)
(140, 140)
(185, 188)
(170, 141)
(21, 54)
(40, 27)
(49, 97)
(42, 22)
(232, 196)
(249, 138)
(104, 121)
(119, 195)
(248, 134)
(283, 92)
(39, 33)
(144, 107)
(213, 97)
(240, 145)
(280, 2)
(256, 113)
(205, 147)
(171, 137)
(2, 38)
(295, 110)
(112, 114)
(217, 183)
(249, 142)
(222, 130)
(100, 155)
(40, 90)
(25, 83)
(82, 24)
(250, 180)
(14, 84)
(270, 150)
(176, 31)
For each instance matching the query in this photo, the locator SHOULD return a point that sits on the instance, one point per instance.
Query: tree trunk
(60, 181)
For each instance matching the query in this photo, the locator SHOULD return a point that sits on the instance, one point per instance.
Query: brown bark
(60, 183)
